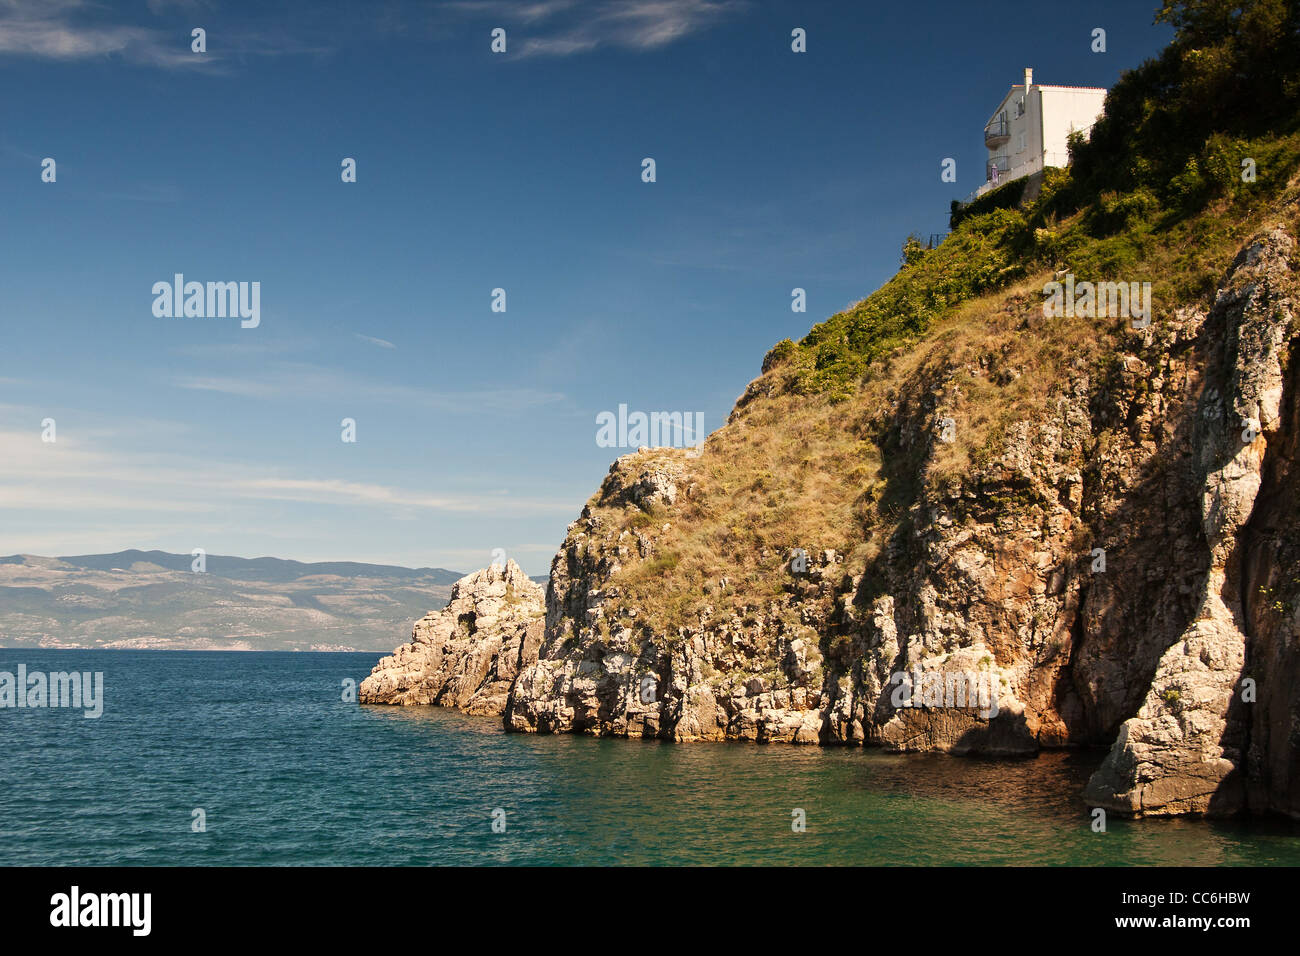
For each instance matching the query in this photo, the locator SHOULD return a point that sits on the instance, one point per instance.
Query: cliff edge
(1038, 490)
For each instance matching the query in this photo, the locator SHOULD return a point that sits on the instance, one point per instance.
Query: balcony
(1031, 166)
(997, 132)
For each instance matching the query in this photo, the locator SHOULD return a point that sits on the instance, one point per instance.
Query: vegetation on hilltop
(1156, 192)
(820, 451)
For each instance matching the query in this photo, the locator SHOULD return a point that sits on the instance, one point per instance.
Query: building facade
(1029, 129)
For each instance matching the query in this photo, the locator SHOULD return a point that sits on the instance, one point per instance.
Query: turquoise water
(288, 773)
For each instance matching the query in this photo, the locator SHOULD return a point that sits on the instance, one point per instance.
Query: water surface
(287, 772)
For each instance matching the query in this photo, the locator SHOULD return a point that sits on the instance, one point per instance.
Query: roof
(1041, 86)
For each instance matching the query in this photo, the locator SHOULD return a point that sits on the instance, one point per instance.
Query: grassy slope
(811, 457)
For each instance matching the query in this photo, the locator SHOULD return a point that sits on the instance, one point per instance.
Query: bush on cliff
(822, 451)
(1160, 188)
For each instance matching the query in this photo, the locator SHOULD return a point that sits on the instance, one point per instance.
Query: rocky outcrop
(468, 654)
(1103, 569)
(778, 674)
(1119, 569)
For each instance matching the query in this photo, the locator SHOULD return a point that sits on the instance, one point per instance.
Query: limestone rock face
(1184, 749)
(1116, 569)
(468, 654)
(1121, 569)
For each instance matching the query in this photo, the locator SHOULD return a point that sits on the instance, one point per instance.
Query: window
(1021, 148)
(1020, 106)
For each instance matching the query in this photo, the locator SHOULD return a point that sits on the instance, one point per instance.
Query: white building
(1028, 130)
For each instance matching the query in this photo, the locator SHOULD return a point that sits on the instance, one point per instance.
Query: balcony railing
(997, 132)
(1033, 165)
(1001, 163)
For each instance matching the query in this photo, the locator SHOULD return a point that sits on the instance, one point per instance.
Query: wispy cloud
(566, 27)
(68, 30)
(243, 387)
(72, 30)
(352, 492)
(88, 473)
(382, 343)
(306, 382)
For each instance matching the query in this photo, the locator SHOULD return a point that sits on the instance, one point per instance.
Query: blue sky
(522, 171)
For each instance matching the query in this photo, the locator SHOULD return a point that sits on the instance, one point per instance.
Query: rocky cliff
(951, 518)
(1215, 728)
(1108, 569)
(1121, 568)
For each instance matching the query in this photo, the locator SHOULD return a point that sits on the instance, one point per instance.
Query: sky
(475, 429)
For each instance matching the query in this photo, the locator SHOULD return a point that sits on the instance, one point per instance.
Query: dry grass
(786, 476)
(817, 472)
(804, 472)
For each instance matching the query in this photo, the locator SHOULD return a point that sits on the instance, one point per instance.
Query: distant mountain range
(244, 569)
(152, 599)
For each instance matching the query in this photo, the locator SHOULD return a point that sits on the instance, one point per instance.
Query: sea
(251, 759)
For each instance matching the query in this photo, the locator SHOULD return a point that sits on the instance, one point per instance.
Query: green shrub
(1170, 145)
(914, 251)
(780, 353)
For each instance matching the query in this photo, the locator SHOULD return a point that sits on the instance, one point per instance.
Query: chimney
(1029, 78)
